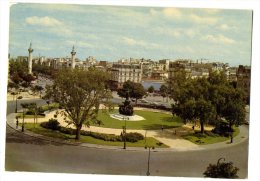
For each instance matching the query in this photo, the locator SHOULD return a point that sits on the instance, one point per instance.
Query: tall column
(30, 50)
(73, 53)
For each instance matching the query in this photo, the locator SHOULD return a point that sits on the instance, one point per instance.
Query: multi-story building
(193, 70)
(232, 74)
(159, 75)
(121, 73)
(90, 61)
(166, 63)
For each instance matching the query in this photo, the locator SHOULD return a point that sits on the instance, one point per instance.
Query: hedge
(130, 137)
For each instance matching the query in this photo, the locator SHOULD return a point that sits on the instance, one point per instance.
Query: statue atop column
(73, 53)
(30, 50)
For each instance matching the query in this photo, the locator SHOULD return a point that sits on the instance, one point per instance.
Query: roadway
(26, 153)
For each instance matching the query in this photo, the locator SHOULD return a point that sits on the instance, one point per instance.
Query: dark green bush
(200, 135)
(222, 129)
(30, 112)
(130, 137)
(52, 124)
(67, 130)
(105, 137)
(134, 137)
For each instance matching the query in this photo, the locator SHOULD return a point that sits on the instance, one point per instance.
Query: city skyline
(114, 32)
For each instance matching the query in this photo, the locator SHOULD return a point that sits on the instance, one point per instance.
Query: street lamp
(148, 163)
(19, 97)
(124, 133)
(23, 122)
(219, 160)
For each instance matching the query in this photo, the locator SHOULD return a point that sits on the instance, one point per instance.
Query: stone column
(73, 53)
(30, 50)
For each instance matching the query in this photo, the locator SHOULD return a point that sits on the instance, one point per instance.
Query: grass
(209, 138)
(50, 106)
(44, 107)
(28, 116)
(88, 139)
(153, 121)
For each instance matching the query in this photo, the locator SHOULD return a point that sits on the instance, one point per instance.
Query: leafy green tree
(186, 110)
(205, 112)
(80, 94)
(203, 98)
(221, 170)
(178, 86)
(135, 90)
(163, 90)
(234, 109)
(37, 89)
(151, 89)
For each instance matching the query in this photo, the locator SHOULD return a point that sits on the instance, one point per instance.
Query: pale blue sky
(110, 32)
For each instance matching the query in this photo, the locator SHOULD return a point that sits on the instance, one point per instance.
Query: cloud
(203, 20)
(226, 27)
(219, 39)
(212, 11)
(132, 42)
(172, 13)
(43, 21)
(168, 31)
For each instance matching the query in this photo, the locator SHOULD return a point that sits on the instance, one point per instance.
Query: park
(85, 114)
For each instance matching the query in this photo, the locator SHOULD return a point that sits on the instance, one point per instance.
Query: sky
(111, 33)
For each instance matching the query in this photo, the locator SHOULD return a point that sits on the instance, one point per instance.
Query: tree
(24, 106)
(136, 90)
(163, 90)
(221, 170)
(37, 89)
(178, 86)
(203, 98)
(205, 112)
(80, 94)
(27, 78)
(234, 109)
(151, 89)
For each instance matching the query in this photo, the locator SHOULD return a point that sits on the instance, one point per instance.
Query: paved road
(25, 153)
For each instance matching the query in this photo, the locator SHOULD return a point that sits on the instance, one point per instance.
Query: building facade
(121, 73)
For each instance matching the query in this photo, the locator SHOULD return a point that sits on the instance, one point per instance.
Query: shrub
(67, 130)
(222, 129)
(30, 112)
(134, 137)
(221, 170)
(52, 124)
(200, 135)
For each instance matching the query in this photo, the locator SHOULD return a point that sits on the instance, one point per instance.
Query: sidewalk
(166, 136)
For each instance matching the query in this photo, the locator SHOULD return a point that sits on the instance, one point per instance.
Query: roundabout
(159, 128)
(52, 154)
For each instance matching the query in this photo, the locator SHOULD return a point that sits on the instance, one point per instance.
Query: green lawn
(208, 139)
(27, 116)
(88, 139)
(44, 107)
(153, 120)
(50, 106)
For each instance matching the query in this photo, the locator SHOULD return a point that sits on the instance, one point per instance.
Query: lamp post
(23, 122)
(124, 133)
(148, 162)
(219, 160)
(19, 97)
